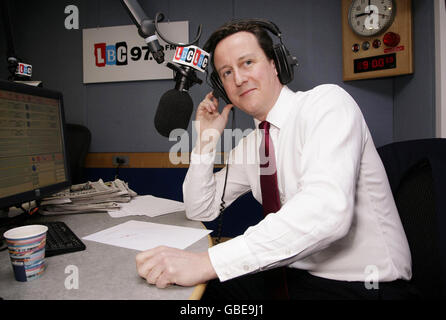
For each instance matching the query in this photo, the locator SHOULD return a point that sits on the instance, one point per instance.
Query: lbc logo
(110, 54)
(192, 56)
(24, 69)
(118, 54)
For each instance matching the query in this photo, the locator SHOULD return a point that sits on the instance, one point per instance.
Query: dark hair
(231, 27)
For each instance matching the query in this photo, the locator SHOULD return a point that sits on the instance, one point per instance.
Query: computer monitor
(33, 160)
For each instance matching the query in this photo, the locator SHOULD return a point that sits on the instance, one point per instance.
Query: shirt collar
(279, 112)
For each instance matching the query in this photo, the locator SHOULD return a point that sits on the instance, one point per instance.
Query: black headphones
(283, 60)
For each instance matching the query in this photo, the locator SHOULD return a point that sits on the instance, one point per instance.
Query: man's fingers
(164, 266)
(164, 280)
(208, 108)
(144, 268)
(153, 265)
(214, 99)
(154, 273)
(145, 259)
(142, 256)
(210, 95)
(226, 110)
(211, 99)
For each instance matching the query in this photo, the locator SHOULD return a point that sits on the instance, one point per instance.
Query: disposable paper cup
(26, 246)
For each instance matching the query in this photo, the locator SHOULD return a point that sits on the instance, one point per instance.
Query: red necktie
(268, 175)
(275, 279)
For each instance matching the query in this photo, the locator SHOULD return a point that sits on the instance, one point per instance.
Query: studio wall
(120, 115)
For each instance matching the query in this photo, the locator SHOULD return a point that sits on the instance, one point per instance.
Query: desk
(105, 272)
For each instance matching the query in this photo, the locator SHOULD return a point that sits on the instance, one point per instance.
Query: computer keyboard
(61, 239)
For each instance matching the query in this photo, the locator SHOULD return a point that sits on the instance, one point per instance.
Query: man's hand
(210, 123)
(164, 266)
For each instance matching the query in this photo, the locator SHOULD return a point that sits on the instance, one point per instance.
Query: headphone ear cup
(281, 59)
(219, 90)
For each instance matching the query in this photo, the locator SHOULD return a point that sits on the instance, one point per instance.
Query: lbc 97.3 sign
(119, 54)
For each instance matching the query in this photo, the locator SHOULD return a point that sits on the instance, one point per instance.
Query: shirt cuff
(232, 259)
(206, 158)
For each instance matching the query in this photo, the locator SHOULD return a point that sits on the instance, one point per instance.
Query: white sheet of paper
(140, 235)
(147, 205)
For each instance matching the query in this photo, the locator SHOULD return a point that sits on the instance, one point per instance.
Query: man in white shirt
(337, 231)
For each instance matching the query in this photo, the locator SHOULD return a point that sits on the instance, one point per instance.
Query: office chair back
(417, 174)
(78, 140)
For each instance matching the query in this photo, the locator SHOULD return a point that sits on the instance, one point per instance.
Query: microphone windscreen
(174, 111)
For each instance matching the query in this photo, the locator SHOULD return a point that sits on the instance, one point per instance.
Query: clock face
(371, 17)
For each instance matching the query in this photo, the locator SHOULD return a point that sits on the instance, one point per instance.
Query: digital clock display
(387, 61)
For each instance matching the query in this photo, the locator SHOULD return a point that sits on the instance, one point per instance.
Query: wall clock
(376, 38)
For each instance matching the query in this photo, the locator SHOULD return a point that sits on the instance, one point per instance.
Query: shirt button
(246, 267)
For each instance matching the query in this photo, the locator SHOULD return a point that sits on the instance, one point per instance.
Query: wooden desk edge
(199, 289)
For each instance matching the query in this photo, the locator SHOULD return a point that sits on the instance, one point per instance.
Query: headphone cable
(222, 203)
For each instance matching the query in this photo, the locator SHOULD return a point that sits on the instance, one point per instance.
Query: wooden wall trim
(141, 160)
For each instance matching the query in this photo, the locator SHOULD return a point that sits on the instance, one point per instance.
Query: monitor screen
(33, 161)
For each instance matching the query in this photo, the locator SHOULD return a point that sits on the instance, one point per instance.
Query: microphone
(176, 105)
(174, 111)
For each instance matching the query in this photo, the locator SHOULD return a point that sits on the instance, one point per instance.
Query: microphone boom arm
(146, 28)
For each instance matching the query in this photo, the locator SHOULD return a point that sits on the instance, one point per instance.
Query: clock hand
(364, 14)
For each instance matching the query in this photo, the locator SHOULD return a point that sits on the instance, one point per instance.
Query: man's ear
(274, 66)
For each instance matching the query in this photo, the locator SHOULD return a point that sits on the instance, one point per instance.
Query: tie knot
(264, 125)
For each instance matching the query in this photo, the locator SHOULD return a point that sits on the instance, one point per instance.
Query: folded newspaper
(96, 196)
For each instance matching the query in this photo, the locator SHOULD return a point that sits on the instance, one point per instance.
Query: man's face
(248, 76)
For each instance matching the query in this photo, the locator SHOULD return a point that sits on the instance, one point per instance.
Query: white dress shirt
(338, 218)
